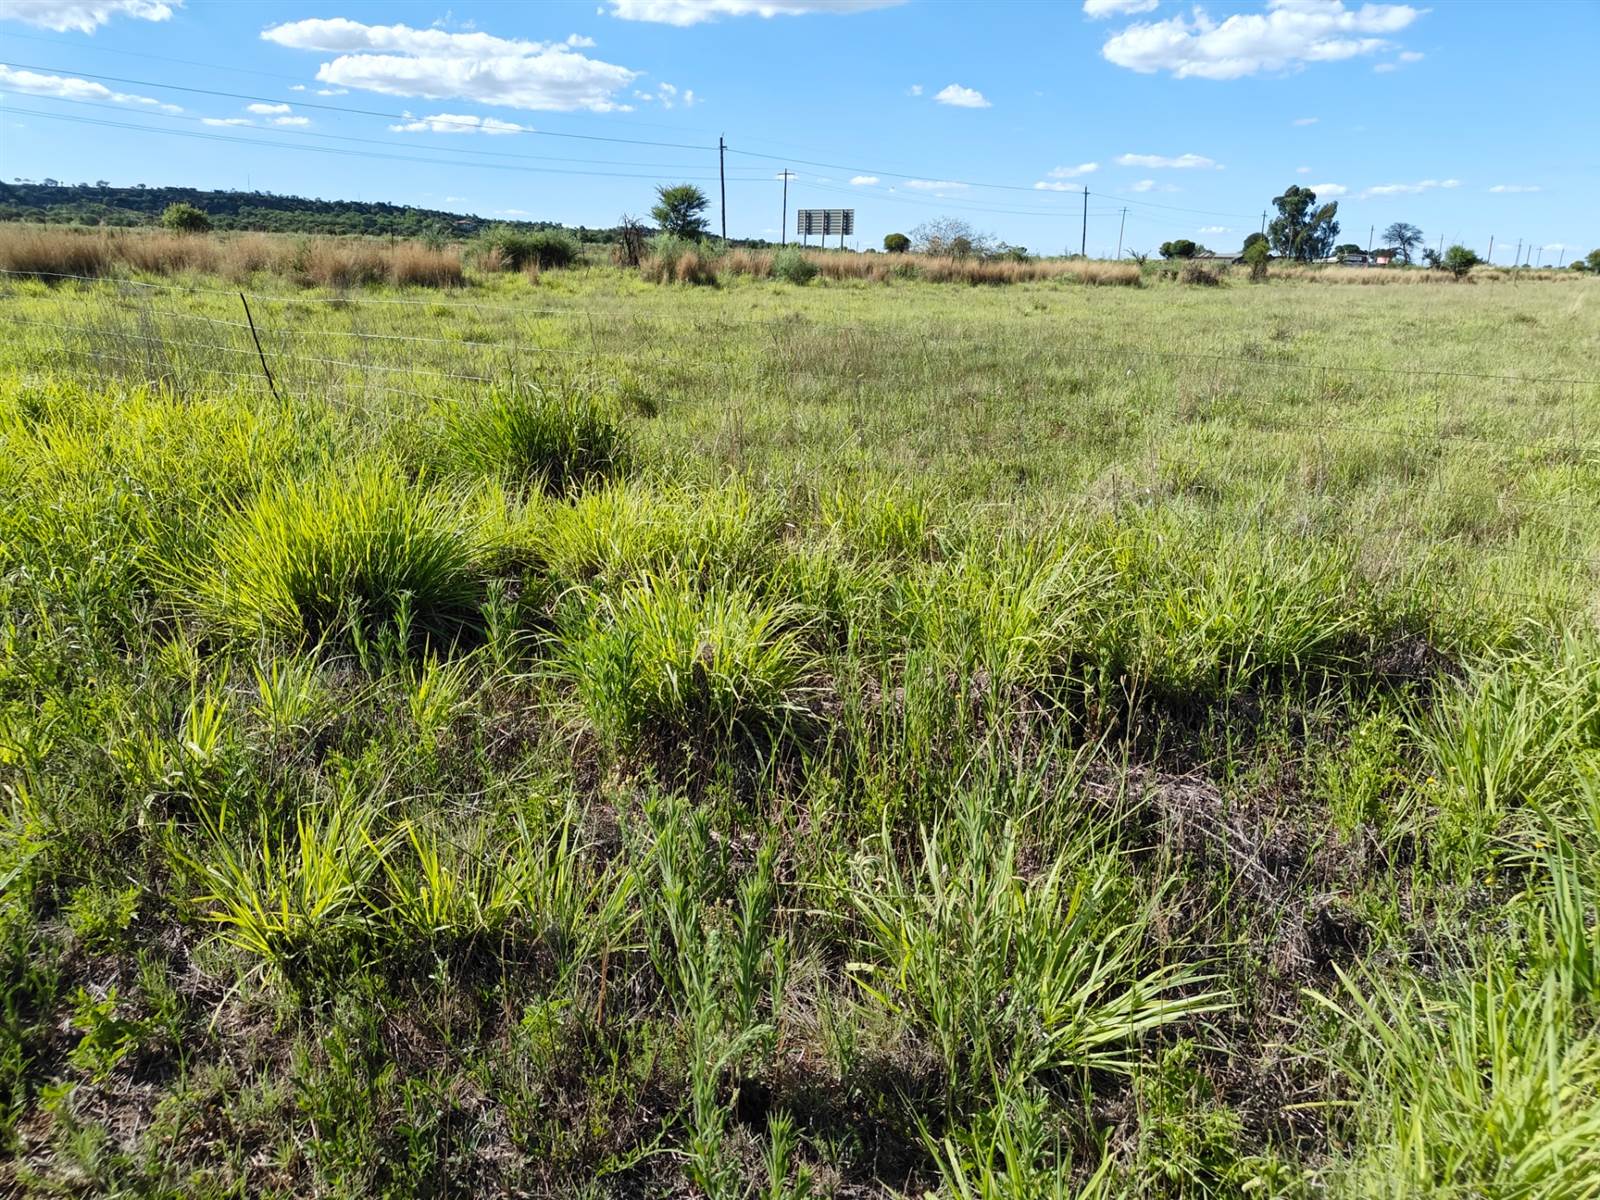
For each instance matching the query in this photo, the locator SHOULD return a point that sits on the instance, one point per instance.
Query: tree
(896, 243)
(1458, 260)
(185, 218)
(1346, 248)
(679, 210)
(1431, 259)
(1403, 237)
(1256, 255)
(1253, 238)
(1593, 259)
(1301, 230)
(950, 237)
(1180, 248)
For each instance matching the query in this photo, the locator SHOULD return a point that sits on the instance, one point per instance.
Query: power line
(359, 112)
(343, 137)
(339, 151)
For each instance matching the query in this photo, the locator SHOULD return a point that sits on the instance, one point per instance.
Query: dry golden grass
(312, 262)
(878, 268)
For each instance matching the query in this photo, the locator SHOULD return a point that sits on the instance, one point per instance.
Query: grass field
(578, 736)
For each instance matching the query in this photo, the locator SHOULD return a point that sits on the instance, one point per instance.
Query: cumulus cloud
(961, 97)
(398, 60)
(1409, 189)
(68, 87)
(1302, 170)
(668, 96)
(1214, 229)
(1329, 191)
(692, 12)
(1306, 120)
(934, 185)
(83, 16)
(864, 180)
(1290, 34)
(457, 123)
(221, 121)
(1095, 9)
(266, 110)
(1087, 168)
(914, 90)
(1184, 162)
(1515, 187)
(291, 121)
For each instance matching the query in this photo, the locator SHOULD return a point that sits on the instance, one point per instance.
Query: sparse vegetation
(886, 737)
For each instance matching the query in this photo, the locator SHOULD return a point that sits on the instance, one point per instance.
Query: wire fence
(1205, 416)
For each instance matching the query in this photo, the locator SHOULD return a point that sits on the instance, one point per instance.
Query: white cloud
(1051, 185)
(914, 90)
(1302, 170)
(1150, 185)
(864, 180)
(67, 87)
(333, 91)
(1095, 9)
(266, 110)
(293, 121)
(669, 96)
(457, 123)
(578, 42)
(1409, 189)
(1512, 188)
(1213, 229)
(1330, 190)
(1290, 34)
(455, 199)
(692, 12)
(83, 16)
(961, 97)
(1306, 120)
(219, 121)
(1184, 162)
(398, 60)
(1412, 56)
(511, 212)
(934, 185)
(1087, 168)
(297, 87)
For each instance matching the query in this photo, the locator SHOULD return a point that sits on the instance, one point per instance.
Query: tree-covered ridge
(101, 204)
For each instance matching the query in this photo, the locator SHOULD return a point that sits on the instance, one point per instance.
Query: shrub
(1180, 248)
(896, 243)
(1200, 276)
(1256, 255)
(678, 260)
(555, 441)
(418, 265)
(1458, 260)
(308, 555)
(792, 264)
(661, 656)
(185, 218)
(505, 249)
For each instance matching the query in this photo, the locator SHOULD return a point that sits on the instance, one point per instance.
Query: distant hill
(102, 204)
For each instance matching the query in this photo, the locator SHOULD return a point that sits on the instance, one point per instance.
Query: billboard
(825, 222)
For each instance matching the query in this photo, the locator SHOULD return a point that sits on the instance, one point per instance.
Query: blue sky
(1470, 120)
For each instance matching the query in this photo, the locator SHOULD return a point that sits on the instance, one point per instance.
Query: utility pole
(1441, 245)
(1490, 259)
(1263, 222)
(1371, 229)
(1516, 259)
(1540, 263)
(1083, 245)
(1562, 259)
(1120, 226)
(722, 179)
(783, 227)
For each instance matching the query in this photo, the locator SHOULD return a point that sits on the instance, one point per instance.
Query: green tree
(896, 243)
(1347, 248)
(1458, 260)
(1179, 248)
(1593, 259)
(1253, 239)
(1405, 238)
(1256, 255)
(680, 210)
(185, 218)
(1302, 230)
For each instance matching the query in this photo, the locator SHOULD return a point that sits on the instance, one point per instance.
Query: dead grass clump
(242, 257)
(1199, 275)
(412, 264)
(167, 253)
(332, 264)
(755, 263)
(41, 251)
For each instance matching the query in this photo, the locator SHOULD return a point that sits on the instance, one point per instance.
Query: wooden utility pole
(1083, 245)
(1490, 259)
(783, 227)
(722, 179)
(1120, 226)
(1516, 259)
